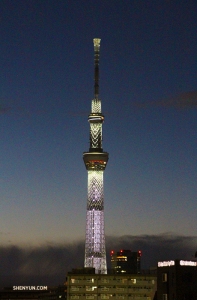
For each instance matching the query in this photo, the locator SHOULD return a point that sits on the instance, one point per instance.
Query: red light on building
(140, 253)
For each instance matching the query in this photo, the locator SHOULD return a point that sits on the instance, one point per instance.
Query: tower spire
(95, 161)
(96, 43)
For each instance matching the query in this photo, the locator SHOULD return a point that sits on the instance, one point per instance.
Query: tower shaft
(95, 161)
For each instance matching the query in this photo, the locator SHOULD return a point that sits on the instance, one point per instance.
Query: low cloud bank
(182, 101)
(49, 264)
(157, 247)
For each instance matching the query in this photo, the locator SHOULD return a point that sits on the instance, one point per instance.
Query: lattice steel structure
(95, 161)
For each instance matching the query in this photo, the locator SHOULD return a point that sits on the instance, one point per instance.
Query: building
(109, 286)
(126, 261)
(177, 280)
(95, 161)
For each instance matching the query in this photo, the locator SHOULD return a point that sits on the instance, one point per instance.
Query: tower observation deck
(95, 161)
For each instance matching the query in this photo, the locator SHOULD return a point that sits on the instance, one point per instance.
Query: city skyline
(149, 99)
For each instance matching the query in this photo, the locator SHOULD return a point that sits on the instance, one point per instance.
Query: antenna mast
(96, 66)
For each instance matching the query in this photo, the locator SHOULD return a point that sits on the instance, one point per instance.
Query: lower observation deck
(95, 160)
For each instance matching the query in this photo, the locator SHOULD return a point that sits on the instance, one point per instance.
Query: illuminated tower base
(95, 161)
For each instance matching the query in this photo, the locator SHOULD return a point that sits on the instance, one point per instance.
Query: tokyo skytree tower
(95, 161)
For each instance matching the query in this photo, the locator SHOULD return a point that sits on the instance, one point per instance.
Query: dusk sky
(148, 88)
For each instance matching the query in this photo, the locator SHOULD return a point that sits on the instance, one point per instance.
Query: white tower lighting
(95, 161)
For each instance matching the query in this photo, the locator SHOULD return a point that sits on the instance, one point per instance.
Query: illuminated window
(120, 296)
(105, 280)
(90, 280)
(73, 280)
(74, 288)
(120, 289)
(164, 277)
(103, 288)
(133, 281)
(103, 296)
(121, 280)
(90, 288)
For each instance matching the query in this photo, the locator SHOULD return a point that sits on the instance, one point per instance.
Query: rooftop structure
(176, 279)
(126, 262)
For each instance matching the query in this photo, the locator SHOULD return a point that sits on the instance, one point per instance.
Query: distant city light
(166, 263)
(188, 263)
(172, 263)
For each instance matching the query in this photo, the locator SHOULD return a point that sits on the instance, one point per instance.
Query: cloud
(157, 247)
(49, 264)
(183, 100)
(44, 265)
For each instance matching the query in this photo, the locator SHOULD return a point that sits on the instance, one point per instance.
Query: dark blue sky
(147, 70)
